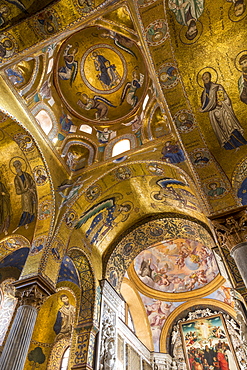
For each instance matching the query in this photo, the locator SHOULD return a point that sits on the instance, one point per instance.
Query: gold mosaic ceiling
(85, 65)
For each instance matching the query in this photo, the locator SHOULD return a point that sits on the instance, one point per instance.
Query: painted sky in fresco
(176, 266)
(157, 313)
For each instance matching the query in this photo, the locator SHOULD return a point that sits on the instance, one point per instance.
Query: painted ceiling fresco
(176, 266)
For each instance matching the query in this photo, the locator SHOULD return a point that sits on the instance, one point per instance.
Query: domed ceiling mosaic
(100, 75)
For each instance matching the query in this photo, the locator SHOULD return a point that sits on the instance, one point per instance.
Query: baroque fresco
(157, 313)
(176, 266)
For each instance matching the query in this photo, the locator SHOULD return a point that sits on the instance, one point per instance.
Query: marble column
(16, 347)
(231, 232)
(239, 254)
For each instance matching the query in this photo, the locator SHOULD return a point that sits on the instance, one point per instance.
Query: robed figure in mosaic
(25, 186)
(225, 124)
(65, 318)
(187, 13)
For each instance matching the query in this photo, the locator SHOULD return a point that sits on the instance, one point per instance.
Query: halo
(153, 194)
(182, 113)
(213, 182)
(236, 61)
(232, 15)
(128, 203)
(23, 162)
(183, 37)
(213, 73)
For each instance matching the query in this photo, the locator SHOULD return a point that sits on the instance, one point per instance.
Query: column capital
(31, 296)
(231, 228)
(33, 291)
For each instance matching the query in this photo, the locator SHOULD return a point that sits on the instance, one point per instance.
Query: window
(86, 128)
(65, 359)
(50, 66)
(44, 120)
(145, 102)
(120, 147)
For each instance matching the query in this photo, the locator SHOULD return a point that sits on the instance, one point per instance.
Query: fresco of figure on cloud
(216, 102)
(176, 266)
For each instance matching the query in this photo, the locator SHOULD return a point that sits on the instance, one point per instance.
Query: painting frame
(205, 335)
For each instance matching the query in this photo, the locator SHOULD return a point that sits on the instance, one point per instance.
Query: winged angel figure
(129, 90)
(107, 214)
(97, 102)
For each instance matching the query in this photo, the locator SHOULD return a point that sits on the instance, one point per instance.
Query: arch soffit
(149, 232)
(85, 271)
(34, 158)
(125, 184)
(138, 313)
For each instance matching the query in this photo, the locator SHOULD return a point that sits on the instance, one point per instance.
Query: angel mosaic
(73, 186)
(19, 4)
(108, 214)
(70, 69)
(97, 102)
(120, 41)
(172, 191)
(129, 91)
